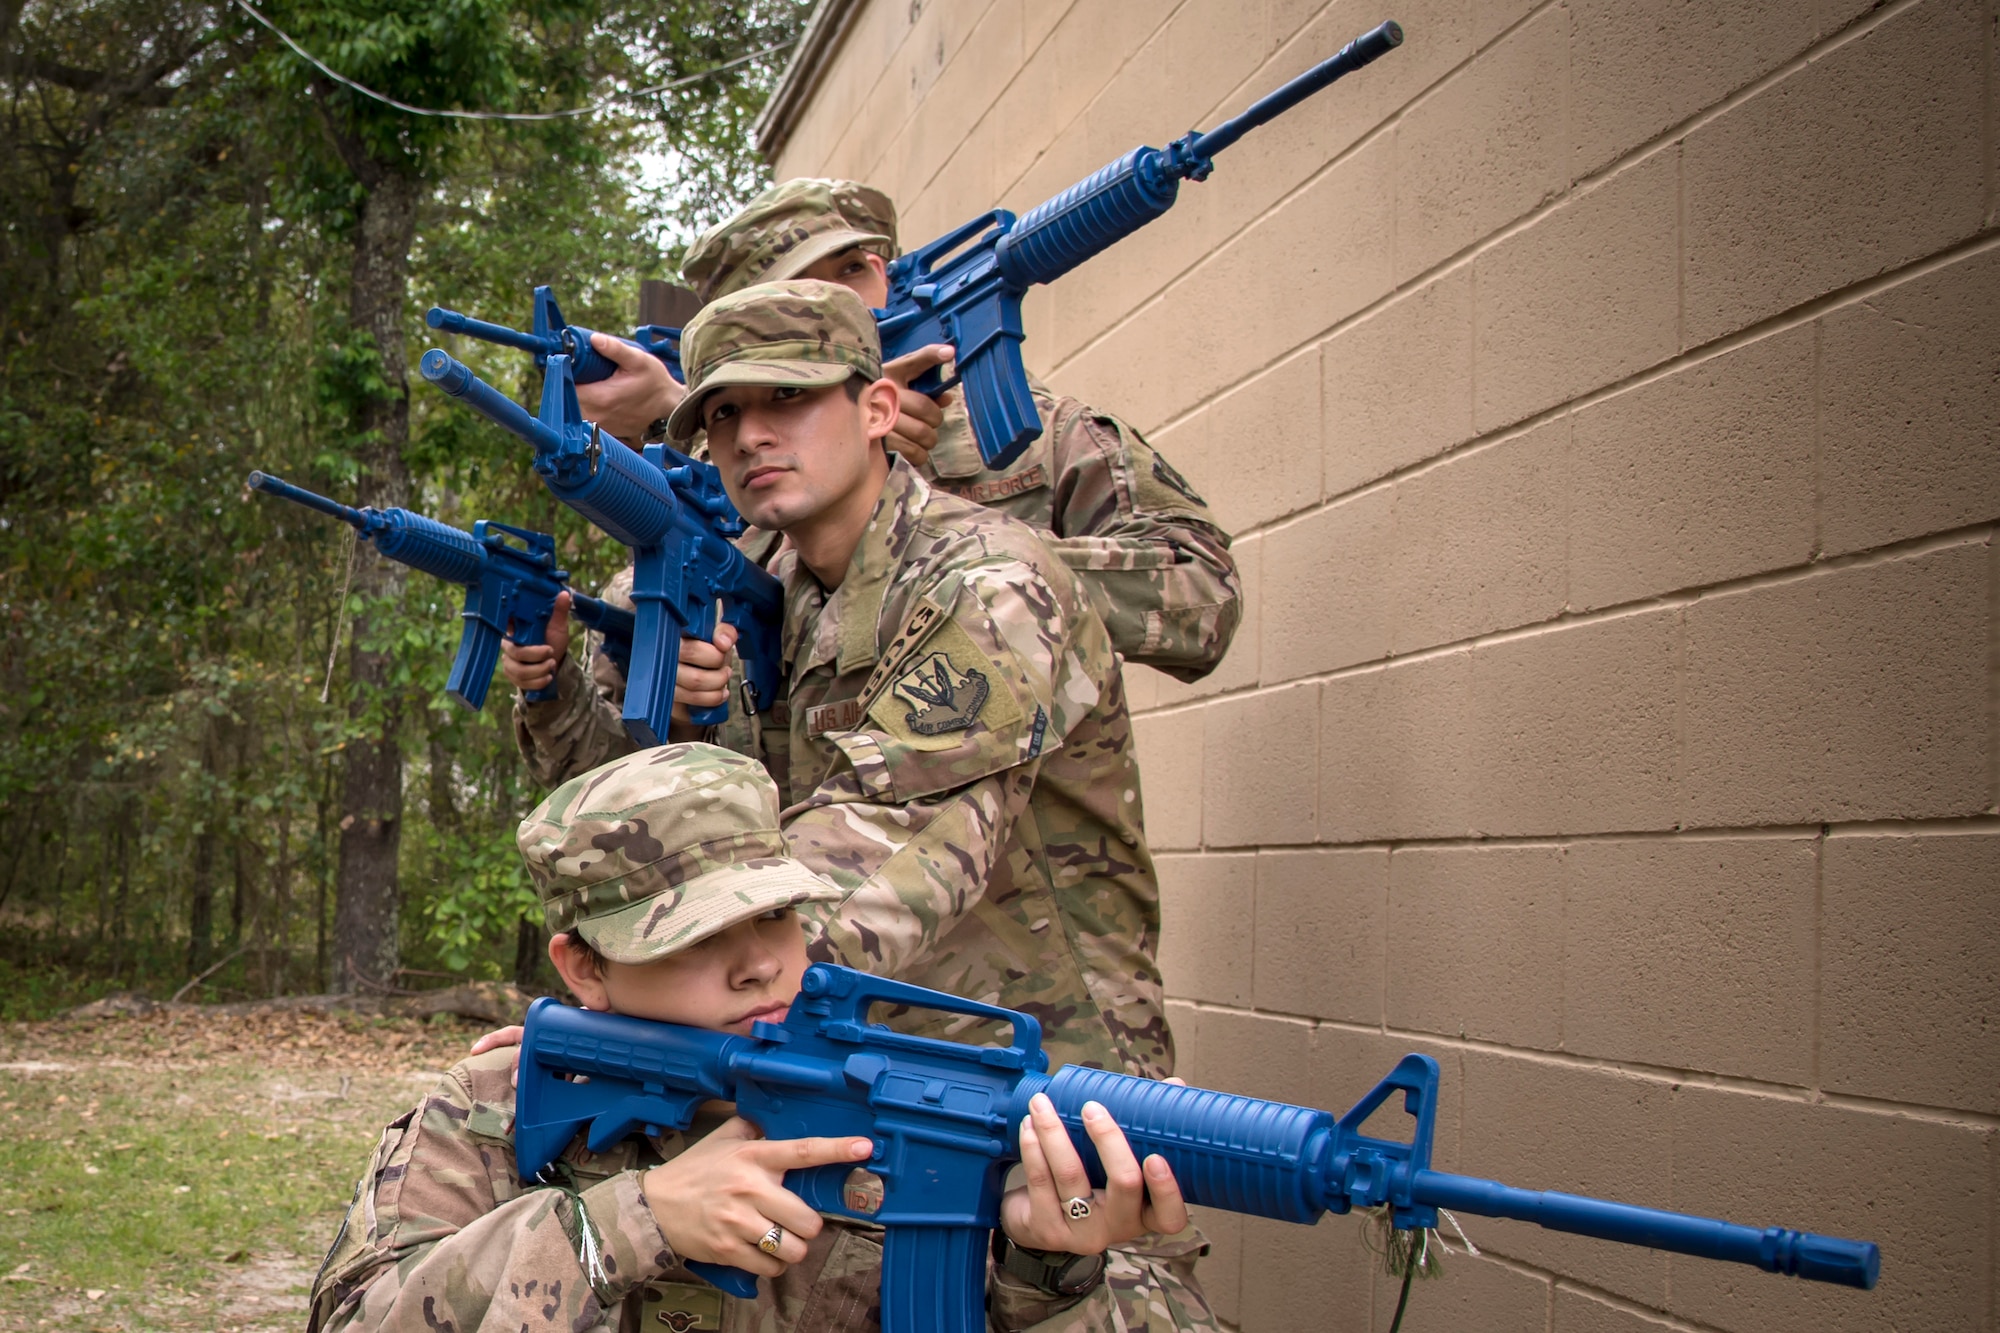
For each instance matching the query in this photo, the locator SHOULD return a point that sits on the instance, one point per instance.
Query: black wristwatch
(1057, 1272)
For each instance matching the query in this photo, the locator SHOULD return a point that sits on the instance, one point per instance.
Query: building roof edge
(821, 41)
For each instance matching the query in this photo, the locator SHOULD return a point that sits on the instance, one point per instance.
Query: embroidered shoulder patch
(942, 695)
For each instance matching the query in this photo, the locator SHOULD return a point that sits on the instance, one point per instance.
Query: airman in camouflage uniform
(1141, 542)
(645, 859)
(954, 749)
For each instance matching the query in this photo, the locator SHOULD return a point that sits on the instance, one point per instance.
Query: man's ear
(881, 404)
(579, 971)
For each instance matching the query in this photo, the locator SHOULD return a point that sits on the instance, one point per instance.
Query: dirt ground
(184, 1171)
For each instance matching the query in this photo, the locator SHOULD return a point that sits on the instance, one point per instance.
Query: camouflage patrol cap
(655, 851)
(805, 332)
(786, 230)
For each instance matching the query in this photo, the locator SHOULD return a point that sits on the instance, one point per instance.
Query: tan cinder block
(1091, 42)
(1910, 384)
(1393, 752)
(1261, 758)
(1481, 541)
(1860, 161)
(1692, 954)
(1475, 943)
(1921, 1190)
(1331, 602)
(1259, 455)
(1169, 747)
(1297, 1277)
(1855, 694)
(1304, 267)
(1699, 477)
(1909, 974)
(1576, 1311)
(1399, 383)
(1321, 917)
(1491, 18)
(1207, 926)
(1258, 172)
(1576, 730)
(1486, 147)
(1582, 298)
(1474, 1294)
(1240, 665)
(1544, 1126)
(1253, 1056)
(1638, 67)
(1141, 687)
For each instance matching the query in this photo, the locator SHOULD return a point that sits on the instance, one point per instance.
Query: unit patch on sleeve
(942, 696)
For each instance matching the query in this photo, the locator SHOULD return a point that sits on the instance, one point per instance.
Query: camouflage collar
(844, 630)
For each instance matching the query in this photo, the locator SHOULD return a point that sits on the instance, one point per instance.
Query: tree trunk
(201, 897)
(371, 797)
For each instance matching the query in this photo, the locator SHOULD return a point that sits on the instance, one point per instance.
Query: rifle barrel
(270, 485)
(451, 321)
(456, 379)
(1371, 45)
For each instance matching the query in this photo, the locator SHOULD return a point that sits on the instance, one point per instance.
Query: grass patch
(176, 1193)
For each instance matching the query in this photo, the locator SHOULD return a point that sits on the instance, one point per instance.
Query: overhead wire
(591, 109)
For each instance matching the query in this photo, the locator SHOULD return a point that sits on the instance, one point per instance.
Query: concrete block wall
(1605, 397)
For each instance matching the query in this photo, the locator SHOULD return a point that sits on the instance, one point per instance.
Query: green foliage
(177, 200)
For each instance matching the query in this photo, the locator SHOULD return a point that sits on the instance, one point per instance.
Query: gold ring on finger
(772, 1240)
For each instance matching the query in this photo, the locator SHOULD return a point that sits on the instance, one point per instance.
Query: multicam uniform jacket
(956, 754)
(1139, 539)
(441, 1235)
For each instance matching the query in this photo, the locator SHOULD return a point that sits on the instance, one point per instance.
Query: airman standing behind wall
(1145, 549)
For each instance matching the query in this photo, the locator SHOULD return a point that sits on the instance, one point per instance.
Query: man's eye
(785, 392)
(720, 412)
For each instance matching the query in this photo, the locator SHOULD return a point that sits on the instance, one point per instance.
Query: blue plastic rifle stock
(551, 335)
(944, 1117)
(672, 511)
(510, 591)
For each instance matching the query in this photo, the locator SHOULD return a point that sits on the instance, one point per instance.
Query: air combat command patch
(941, 696)
(945, 693)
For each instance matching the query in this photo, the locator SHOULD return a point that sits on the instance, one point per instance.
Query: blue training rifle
(672, 511)
(944, 1119)
(510, 591)
(550, 334)
(965, 287)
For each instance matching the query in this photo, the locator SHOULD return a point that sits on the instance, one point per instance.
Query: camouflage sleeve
(944, 761)
(1144, 545)
(1149, 1287)
(439, 1237)
(572, 733)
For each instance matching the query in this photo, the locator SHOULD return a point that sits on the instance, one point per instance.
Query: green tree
(212, 258)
